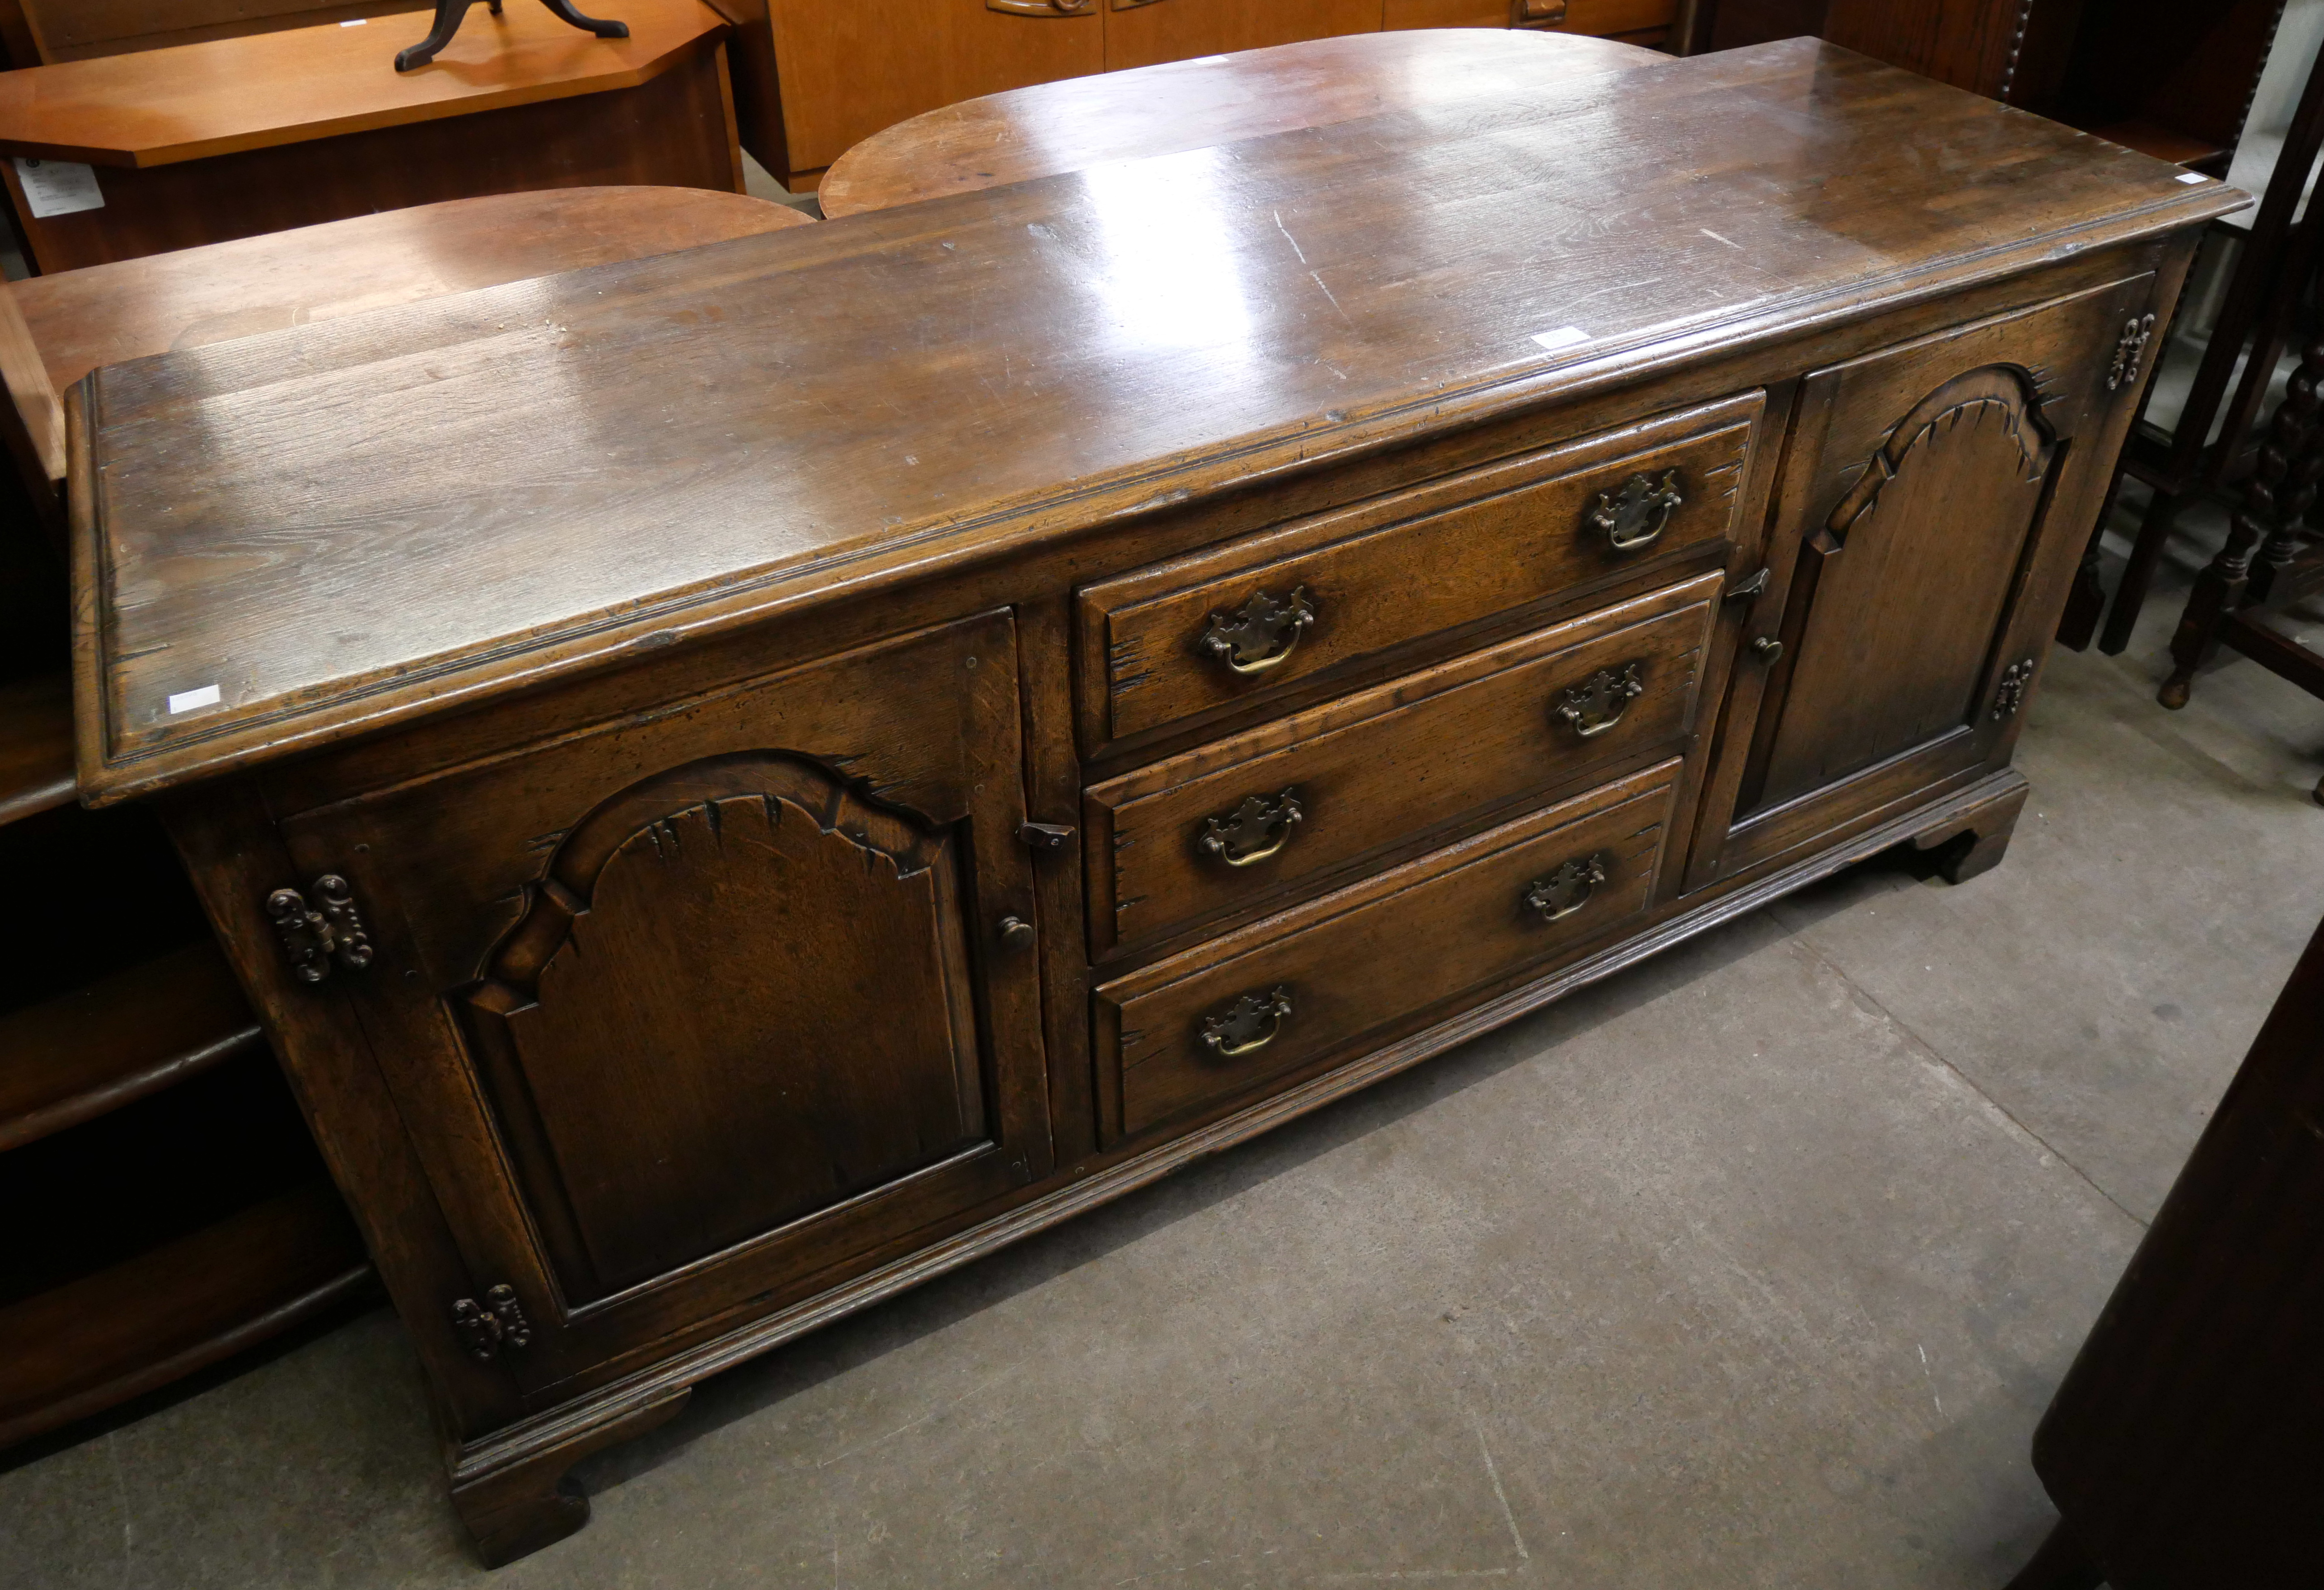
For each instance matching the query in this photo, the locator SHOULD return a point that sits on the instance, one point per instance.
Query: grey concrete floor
(1754, 1266)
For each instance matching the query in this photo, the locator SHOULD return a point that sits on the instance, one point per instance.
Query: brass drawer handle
(1262, 633)
(1253, 831)
(1568, 889)
(1597, 704)
(1625, 514)
(1248, 1024)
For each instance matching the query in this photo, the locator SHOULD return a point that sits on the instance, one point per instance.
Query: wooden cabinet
(743, 780)
(1146, 33)
(696, 999)
(846, 72)
(1935, 497)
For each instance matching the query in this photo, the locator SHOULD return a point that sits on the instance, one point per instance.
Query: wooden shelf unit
(91, 1343)
(36, 746)
(77, 1056)
(144, 1265)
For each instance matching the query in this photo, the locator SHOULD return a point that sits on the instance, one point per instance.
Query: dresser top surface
(296, 536)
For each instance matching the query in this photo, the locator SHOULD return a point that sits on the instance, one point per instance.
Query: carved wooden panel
(1932, 500)
(1897, 594)
(695, 1003)
(739, 994)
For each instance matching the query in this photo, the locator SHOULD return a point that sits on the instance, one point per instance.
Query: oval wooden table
(1082, 121)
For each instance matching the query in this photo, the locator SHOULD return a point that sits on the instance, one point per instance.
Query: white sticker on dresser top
(1564, 336)
(185, 701)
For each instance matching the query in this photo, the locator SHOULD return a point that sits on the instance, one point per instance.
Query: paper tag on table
(59, 187)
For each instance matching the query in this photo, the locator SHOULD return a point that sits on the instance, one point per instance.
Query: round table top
(1077, 123)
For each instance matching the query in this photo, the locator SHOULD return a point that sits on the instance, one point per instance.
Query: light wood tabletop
(155, 107)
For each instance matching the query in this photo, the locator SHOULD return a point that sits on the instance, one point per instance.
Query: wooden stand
(450, 14)
(233, 137)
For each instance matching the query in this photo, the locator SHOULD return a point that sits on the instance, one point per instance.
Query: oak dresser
(742, 780)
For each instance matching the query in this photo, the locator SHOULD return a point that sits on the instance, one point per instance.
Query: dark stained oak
(1183, 105)
(1294, 321)
(94, 1344)
(727, 980)
(1934, 503)
(1355, 960)
(111, 313)
(684, 706)
(1431, 559)
(1389, 765)
(135, 1032)
(36, 752)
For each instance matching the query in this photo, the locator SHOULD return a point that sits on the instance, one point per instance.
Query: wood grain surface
(153, 108)
(1150, 110)
(872, 400)
(186, 297)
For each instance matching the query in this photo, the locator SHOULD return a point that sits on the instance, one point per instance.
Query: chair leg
(2058, 1564)
(2138, 573)
(2080, 621)
(2281, 485)
(449, 15)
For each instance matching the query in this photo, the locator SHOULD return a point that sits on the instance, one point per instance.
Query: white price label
(59, 187)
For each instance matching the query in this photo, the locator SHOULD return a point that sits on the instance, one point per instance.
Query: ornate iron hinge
(329, 931)
(2011, 695)
(2129, 350)
(498, 1322)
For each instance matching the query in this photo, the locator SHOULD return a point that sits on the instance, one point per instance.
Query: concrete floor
(1754, 1266)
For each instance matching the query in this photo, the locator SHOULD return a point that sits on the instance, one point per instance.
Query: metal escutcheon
(1248, 1026)
(1634, 515)
(1260, 634)
(1253, 831)
(1567, 890)
(1597, 704)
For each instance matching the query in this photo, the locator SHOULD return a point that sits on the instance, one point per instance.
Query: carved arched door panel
(739, 995)
(692, 1010)
(1934, 501)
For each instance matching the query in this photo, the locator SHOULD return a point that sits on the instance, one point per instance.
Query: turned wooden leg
(2281, 485)
(1974, 841)
(2138, 573)
(515, 1495)
(2059, 1565)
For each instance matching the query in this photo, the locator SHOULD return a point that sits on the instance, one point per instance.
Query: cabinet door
(688, 1009)
(850, 71)
(1934, 501)
(1146, 33)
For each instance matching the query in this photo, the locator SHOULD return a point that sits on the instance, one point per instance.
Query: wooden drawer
(1204, 633)
(1285, 994)
(1242, 825)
